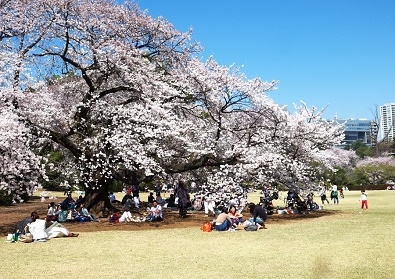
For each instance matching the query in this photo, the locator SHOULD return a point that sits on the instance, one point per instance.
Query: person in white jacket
(37, 228)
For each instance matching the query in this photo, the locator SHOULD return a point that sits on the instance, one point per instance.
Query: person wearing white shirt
(364, 199)
(52, 214)
(37, 228)
(155, 213)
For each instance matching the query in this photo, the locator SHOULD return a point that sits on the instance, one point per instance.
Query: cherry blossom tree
(124, 95)
(20, 168)
(376, 170)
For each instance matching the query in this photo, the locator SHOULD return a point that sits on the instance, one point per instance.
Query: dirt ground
(12, 215)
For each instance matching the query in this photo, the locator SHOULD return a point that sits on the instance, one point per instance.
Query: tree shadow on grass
(12, 215)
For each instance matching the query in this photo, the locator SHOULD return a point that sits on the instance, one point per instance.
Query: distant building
(359, 130)
(387, 122)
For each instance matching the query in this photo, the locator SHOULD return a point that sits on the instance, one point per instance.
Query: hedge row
(368, 187)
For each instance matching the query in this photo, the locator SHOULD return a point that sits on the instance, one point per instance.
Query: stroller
(266, 203)
(296, 203)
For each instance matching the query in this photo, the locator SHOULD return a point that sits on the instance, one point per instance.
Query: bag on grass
(207, 227)
(251, 228)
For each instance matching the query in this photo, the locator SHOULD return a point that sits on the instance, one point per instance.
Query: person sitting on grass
(62, 214)
(223, 221)
(67, 202)
(126, 215)
(160, 200)
(155, 213)
(151, 198)
(84, 214)
(112, 198)
(235, 216)
(127, 196)
(171, 201)
(52, 214)
(37, 228)
(78, 202)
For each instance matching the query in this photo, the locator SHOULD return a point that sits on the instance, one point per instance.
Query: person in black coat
(259, 214)
(171, 201)
(126, 197)
(151, 198)
(183, 199)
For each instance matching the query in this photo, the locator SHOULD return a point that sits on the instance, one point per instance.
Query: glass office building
(359, 129)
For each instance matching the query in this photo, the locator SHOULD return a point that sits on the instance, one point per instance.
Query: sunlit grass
(349, 244)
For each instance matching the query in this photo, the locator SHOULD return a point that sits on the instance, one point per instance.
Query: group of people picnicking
(39, 229)
(69, 210)
(227, 219)
(225, 207)
(230, 219)
(154, 205)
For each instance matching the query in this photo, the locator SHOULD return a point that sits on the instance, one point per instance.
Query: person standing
(364, 199)
(183, 199)
(335, 196)
(209, 204)
(157, 188)
(323, 195)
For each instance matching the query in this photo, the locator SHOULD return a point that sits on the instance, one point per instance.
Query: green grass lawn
(349, 244)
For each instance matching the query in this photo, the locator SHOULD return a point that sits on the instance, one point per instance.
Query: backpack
(251, 228)
(207, 227)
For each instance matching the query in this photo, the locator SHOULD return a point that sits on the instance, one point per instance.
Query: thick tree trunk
(97, 201)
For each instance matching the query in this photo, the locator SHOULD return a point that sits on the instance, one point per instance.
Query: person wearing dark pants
(183, 199)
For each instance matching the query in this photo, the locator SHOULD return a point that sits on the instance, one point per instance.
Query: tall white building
(387, 122)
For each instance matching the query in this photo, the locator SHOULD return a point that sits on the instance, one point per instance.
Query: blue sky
(339, 53)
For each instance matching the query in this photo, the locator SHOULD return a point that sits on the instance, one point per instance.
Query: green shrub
(368, 187)
(116, 186)
(5, 198)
